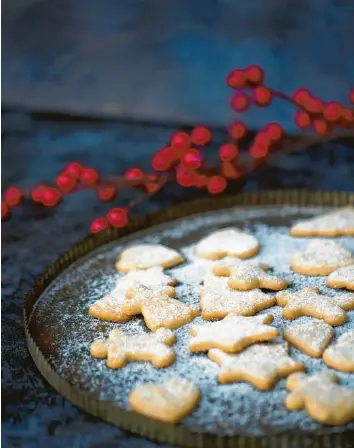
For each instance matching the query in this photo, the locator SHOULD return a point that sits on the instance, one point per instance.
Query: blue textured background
(166, 60)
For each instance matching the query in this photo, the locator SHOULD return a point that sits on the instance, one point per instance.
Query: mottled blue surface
(36, 149)
(167, 59)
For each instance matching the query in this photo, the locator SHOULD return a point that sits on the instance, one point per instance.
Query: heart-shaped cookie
(321, 257)
(169, 401)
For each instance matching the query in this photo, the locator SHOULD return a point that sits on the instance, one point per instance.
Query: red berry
(118, 217)
(237, 130)
(180, 140)
(73, 169)
(201, 136)
(106, 192)
(258, 151)
(230, 171)
(322, 127)
(275, 131)
(236, 79)
(314, 106)
(301, 96)
(37, 191)
(262, 139)
(89, 176)
(133, 174)
(14, 196)
(262, 96)
(216, 184)
(351, 95)
(302, 119)
(66, 182)
(5, 211)
(185, 177)
(98, 225)
(332, 111)
(160, 162)
(228, 152)
(201, 181)
(254, 74)
(192, 159)
(151, 187)
(50, 197)
(347, 117)
(239, 102)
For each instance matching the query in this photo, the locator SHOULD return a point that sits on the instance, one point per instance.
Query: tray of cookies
(223, 322)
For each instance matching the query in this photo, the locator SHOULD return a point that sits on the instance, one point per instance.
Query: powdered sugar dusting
(64, 331)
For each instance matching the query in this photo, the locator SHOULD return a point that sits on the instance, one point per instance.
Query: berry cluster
(183, 159)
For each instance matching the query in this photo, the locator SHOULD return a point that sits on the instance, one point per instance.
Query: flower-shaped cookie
(227, 242)
(340, 355)
(169, 401)
(342, 278)
(261, 365)
(248, 275)
(145, 256)
(309, 302)
(321, 396)
(337, 223)
(218, 299)
(321, 257)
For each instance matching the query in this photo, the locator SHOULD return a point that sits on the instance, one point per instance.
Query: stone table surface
(36, 148)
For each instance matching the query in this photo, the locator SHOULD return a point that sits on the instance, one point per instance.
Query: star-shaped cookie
(261, 365)
(309, 302)
(248, 275)
(233, 333)
(218, 299)
(321, 257)
(342, 278)
(119, 348)
(337, 223)
(110, 306)
(168, 402)
(340, 355)
(227, 242)
(145, 256)
(324, 400)
(311, 337)
(158, 307)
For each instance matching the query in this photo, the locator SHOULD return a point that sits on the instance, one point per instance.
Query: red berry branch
(184, 158)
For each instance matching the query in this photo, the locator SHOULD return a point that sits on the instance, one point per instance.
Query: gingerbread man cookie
(310, 337)
(342, 278)
(145, 256)
(233, 333)
(340, 355)
(168, 402)
(337, 223)
(261, 365)
(227, 242)
(218, 299)
(120, 348)
(158, 307)
(249, 275)
(324, 400)
(321, 257)
(110, 306)
(309, 302)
